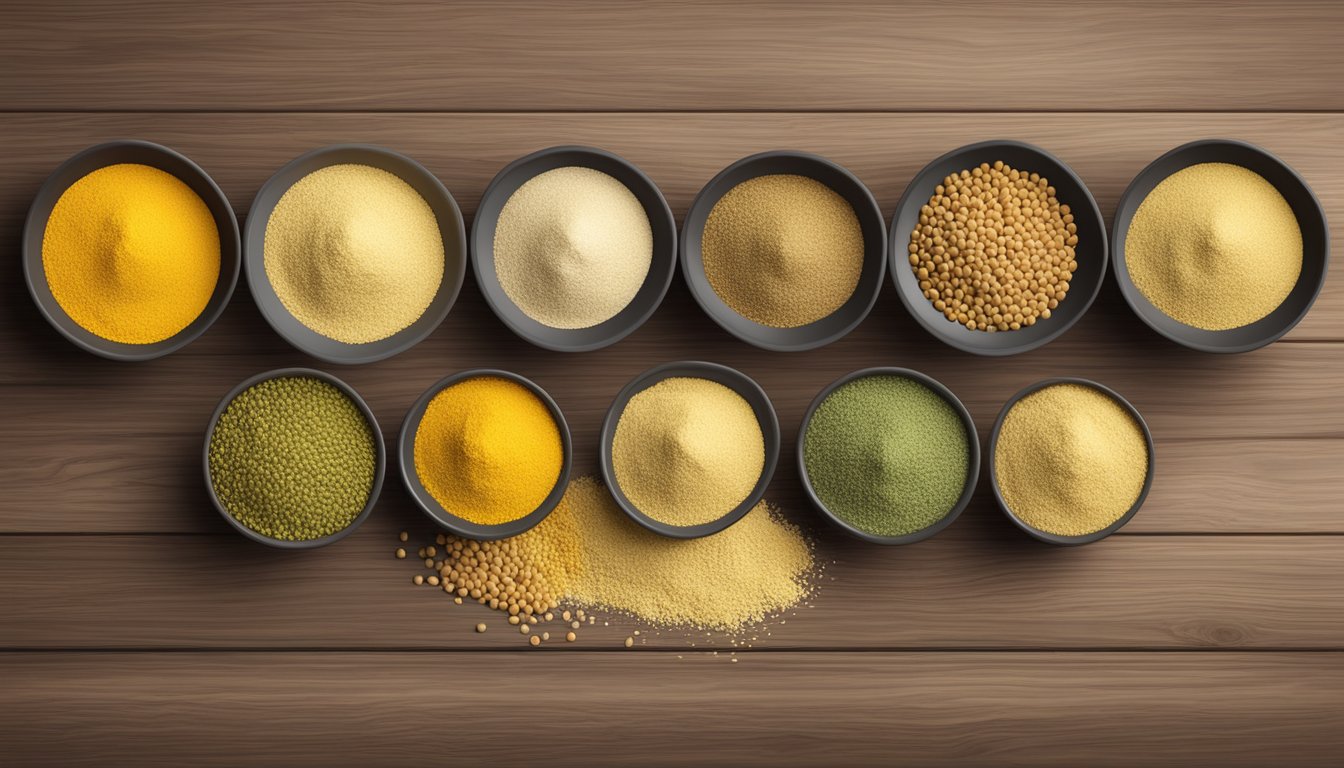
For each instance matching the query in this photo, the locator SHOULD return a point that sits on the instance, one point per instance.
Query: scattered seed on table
(480, 627)
(524, 629)
(629, 641)
(574, 624)
(401, 553)
(565, 615)
(571, 637)
(417, 579)
(403, 536)
(513, 620)
(433, 581)
(545, 635)
(535, 640)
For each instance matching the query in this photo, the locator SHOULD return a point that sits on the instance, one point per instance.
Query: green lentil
(293, 458)
(887, 454)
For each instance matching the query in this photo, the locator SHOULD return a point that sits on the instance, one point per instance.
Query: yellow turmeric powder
(488, 450)
(131, 253)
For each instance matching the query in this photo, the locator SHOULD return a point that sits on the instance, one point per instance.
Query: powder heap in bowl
(131, 254)
(1070, 460)
(994, 248)
(1214, 246)
(354, 253)
(687, 451)
(293, 458)
(572, 247)
(782, 250)
(588, 553)
(886, 454)
(488, 450)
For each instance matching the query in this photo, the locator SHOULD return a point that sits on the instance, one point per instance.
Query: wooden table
(139, 630)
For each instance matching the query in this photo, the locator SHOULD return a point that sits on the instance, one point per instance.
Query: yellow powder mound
(488, 450)
(131, 253)
(1214, 246)
(354, 253)
(1070, 460)
(687, 451)
(755, 569)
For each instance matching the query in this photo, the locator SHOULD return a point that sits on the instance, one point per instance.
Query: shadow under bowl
(836, 178)
(1090, 252)
(431, 190)
(972, 468)
(1054, 538)
(646, 300)
(380, 460)
(142, 153)
(1310, 220)
(437, 512)
(731, 378)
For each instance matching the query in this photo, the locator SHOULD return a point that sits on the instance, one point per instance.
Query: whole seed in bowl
(994, 248)
(293, 458)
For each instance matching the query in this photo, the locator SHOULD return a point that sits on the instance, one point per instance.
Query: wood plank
(1095, 709)
(680, 152)
(996, 589)
(692, 54)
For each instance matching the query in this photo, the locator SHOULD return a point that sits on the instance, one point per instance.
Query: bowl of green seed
(294, 458)
(890, 455)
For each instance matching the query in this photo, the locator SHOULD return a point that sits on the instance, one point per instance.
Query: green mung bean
(293, 458)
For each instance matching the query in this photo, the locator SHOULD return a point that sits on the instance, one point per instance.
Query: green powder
(293, 459)
(887, 455)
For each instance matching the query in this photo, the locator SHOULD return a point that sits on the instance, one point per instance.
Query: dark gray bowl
(728, 377)
(435, 510)
(972, 469)
(380, 461)
(646, 300)
(143, 153)
(1054, 538)
(826, 330)
(1090, 252)
(1310, 218)
(451, 229)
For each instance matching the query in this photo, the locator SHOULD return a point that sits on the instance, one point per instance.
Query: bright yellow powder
(131, 254)
(354, 253)
(1070, 460)
(1214, 246)
(488, 450)
(687, 451)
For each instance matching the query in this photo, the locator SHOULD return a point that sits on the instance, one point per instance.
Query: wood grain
(620, 709)
(690, 54)
(993, 589)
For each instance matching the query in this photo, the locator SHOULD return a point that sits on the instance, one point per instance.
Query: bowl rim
(1046, 536)
(35, 226)
(1120, 224)
(898, 258)
(437, 512)
(742, 385)
(380, 456)
(450, 284)
(662, 212)
(973, 455)
(707, 302)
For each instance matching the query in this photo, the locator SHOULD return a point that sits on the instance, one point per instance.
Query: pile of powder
(687, 451)
(131, 254)
(994, 248)
(293, 458)
(1070, 460)
(572, 247)
(488, 450)
(783, 250)
(1214, 246)
(354, 253)
(587, 552)
(887, 454)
